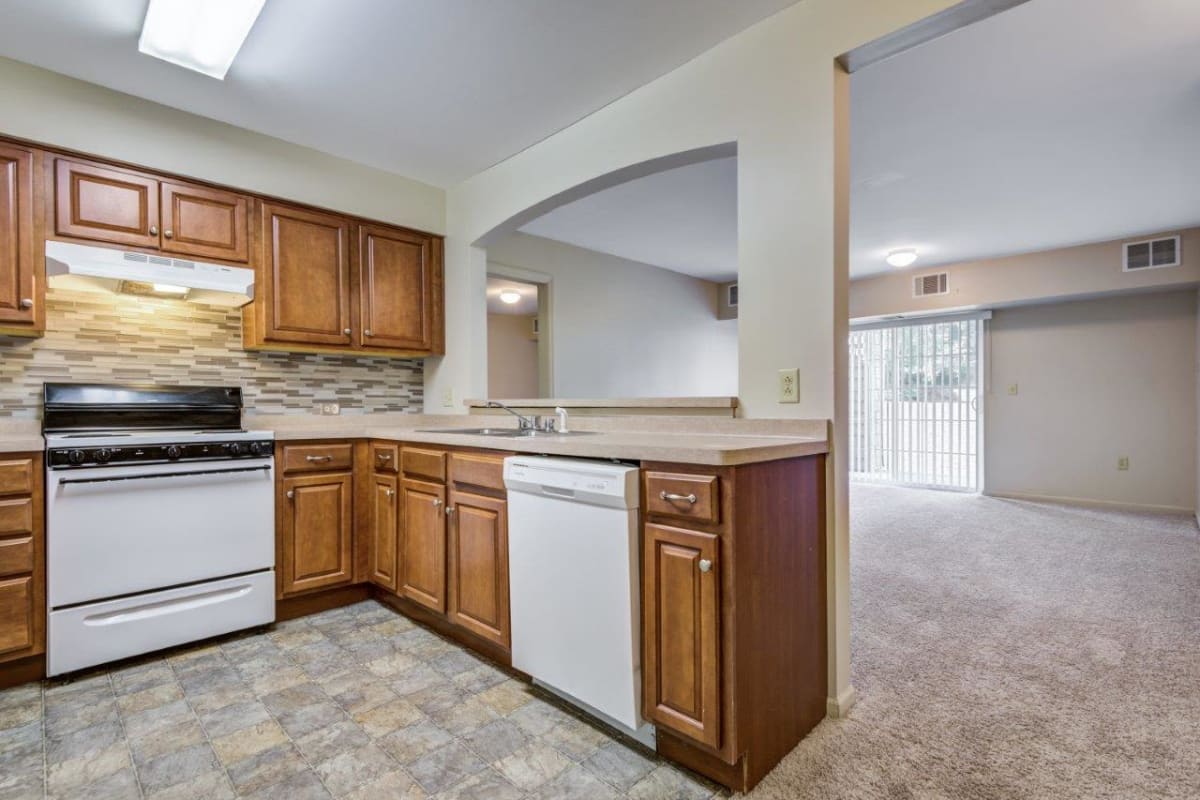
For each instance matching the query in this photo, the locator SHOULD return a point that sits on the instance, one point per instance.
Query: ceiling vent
(928, 285)
(731, 295)
(1152, 254)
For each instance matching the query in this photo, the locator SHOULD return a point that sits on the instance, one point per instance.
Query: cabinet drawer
(385, 457)
(475, 469)
(16, 476)
(16, 614)
(423, 463)
(16, 556)
(694, 497)
(317, 457)
(16, 516)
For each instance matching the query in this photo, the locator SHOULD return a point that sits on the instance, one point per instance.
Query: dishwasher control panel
(595, 482)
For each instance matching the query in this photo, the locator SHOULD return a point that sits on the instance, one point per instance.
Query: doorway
(916, 404)
(516, 339)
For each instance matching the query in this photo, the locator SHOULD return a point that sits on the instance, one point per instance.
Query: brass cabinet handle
(26, 303)
(154, 230)
(384, 456)
(318, 458)
(671, 498)
(168, 234)
(705, 565)
(291, 494)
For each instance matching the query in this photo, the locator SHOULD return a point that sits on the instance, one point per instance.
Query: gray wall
(1097, 380)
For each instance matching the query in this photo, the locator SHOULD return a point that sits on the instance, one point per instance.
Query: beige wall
(1096, 380)
(1070, 272)
(625, 329)
(512, 357)
(53, 109)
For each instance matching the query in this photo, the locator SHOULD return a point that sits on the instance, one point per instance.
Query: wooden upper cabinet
(423, 544)
(396, 288)
(18, 302)
(305, 276)
(681, 625)
(478, 546)
(108, 205)
(204, 223)
(316, 526)
(385, 502)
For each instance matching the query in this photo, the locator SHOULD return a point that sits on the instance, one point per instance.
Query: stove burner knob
(76, 456)
(173, 451)
(235, 448)
(256, 448)
(103, 455)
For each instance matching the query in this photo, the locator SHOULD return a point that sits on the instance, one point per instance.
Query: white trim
(919, 318)
(839, 707)
(1085, 502)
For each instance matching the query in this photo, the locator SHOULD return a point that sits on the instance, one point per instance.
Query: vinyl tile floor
(357, 702)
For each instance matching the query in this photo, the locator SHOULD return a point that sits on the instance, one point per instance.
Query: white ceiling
(684, 219)
(1057, 123)
(528, 304)
(435, 90)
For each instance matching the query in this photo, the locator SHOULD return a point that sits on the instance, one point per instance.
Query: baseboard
(1085, 502)
(839, 707)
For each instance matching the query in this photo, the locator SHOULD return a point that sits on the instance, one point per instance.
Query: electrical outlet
(448, 398)
(789, 385)
(1123, 463)
(330, 409)
(1013, 388)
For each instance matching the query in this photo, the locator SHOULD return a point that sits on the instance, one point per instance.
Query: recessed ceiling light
(201, 35)
(902, 258)
(510, 297)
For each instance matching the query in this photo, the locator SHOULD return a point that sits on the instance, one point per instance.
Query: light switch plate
(1013, 388)
(789, 385)
(1123, 463)
(448, 398)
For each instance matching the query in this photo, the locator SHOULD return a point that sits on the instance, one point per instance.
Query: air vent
(140, 258)
(160, 261)
(1152, 254)
(731, 295)
(927, 285)
(179, 263)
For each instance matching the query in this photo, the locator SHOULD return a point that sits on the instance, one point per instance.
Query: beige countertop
(688, 440)
(21, 436)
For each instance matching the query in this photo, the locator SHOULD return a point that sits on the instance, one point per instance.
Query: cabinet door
(395, 271)
(479, 565)
(317, 529)
(205, 223)
(423, 544)
(681, 615)
(16, 614)
(16, 235)
(305, 276)
(108, 205)
(385, 502)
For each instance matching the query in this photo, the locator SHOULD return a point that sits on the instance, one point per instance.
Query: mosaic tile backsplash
(112, 338)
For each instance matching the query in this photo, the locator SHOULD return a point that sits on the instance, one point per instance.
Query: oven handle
(263, 468)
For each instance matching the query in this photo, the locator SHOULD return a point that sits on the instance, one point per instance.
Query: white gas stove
(160, 520)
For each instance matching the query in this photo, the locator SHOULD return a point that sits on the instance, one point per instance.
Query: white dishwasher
(574, 583)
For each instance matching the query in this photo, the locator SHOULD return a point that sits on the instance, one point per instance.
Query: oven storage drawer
(96, 633)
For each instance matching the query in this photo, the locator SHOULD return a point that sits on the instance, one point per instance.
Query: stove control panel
(64, 457)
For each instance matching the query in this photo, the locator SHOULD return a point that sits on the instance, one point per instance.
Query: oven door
(113, 531)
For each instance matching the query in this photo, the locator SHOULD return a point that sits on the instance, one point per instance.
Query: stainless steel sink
(504, 433)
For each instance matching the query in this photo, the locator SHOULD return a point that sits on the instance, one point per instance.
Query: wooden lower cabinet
(478, 544)
(423, 544)
(316, 528)
(385, 517)
(22, 559)
(681, 622)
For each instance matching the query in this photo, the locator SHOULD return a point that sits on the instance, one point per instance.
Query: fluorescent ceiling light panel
(201, 35)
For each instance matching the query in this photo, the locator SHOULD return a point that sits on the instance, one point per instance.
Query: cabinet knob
(436, 502)
(154, 230)
(26, 303)
(705, 565)
(389, 492)
(367, 332)
(291, 494)
(168, 234)
(449, 510)
(346, 331)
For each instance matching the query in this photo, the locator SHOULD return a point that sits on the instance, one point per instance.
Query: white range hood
(78, 266)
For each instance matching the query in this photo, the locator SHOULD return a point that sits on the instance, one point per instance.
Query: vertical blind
(915, 404)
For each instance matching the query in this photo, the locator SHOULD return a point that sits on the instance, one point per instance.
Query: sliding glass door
(916, 404)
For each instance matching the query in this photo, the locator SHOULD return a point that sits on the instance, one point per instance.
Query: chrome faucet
(524, 423)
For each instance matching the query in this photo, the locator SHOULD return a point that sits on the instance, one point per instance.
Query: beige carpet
(1007, 649)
